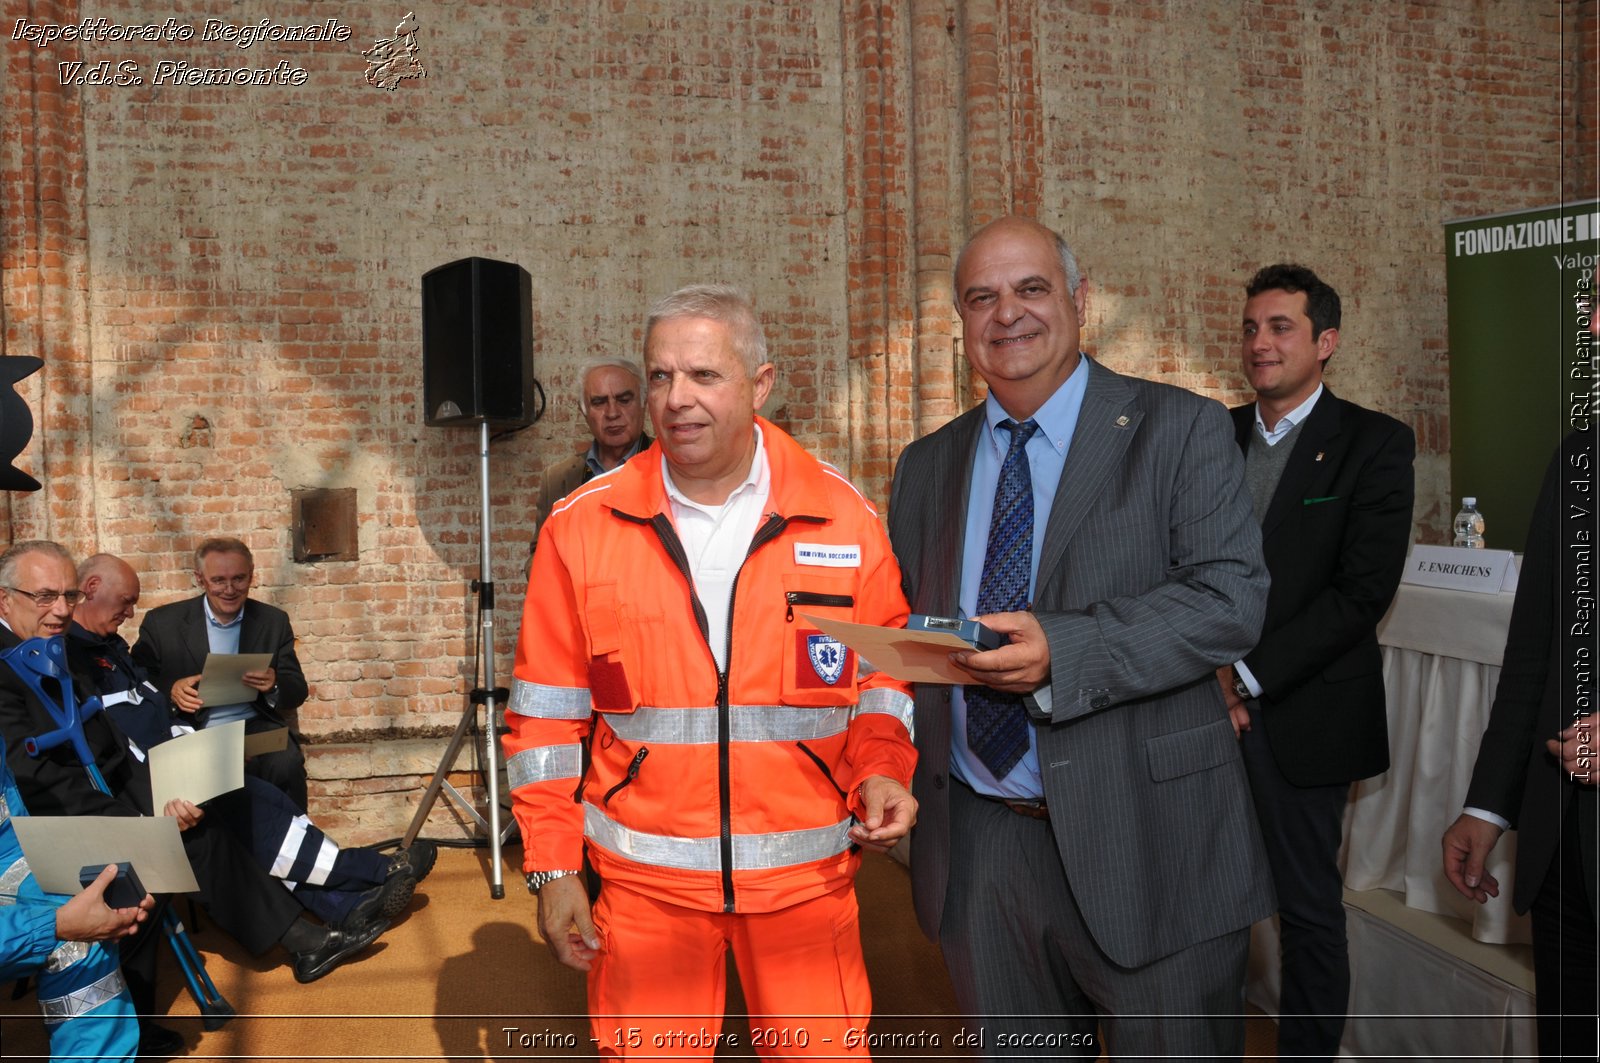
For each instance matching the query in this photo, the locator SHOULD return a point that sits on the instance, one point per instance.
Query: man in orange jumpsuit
(675, 709)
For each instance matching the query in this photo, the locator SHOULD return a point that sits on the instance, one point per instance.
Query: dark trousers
(245, 901)
(1025, 965)
(327, 879)
(1565, 958)
(1301, 827)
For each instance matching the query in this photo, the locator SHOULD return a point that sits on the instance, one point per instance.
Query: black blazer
(1515, 777)
(1335, 538)
(172, 644)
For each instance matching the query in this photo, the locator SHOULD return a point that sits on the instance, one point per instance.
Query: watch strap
(538, 880)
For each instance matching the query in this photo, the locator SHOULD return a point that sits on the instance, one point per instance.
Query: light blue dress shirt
(224, 638)
(1047, 456)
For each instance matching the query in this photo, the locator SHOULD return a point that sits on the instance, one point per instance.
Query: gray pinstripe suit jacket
(1150, 577)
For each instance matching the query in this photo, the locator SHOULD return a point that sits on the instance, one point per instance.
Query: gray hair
(222, 545)
(1069, 261)
(627, 365)
(723, 303)
(16, 551)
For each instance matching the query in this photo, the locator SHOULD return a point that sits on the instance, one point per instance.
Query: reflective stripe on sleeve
(890, 702)
(746, 723)
(82, 1001)
(751, 852)
(65, 955)
(549, 703)
(543, 764)
(11, 880)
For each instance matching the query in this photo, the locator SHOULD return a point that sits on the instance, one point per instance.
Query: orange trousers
(659, 987)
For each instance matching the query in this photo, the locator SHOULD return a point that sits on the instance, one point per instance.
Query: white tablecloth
(1441, 662)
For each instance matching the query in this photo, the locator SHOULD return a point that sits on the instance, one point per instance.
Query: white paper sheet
(58, 846)
(198, 766)
(222, 682)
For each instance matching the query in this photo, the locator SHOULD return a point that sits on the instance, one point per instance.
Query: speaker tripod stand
(489, 696)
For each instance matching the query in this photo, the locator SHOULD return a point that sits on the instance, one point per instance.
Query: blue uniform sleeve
(27, 936)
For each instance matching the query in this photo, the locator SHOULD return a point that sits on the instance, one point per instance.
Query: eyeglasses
(45, 599)
(219, 583)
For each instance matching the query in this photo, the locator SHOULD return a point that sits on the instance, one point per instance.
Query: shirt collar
(757, 479)
(592, 458)
(1288, 420)
(211, 618)
(1057, 418)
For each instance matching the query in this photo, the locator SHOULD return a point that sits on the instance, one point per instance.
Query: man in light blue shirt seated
(175, 639)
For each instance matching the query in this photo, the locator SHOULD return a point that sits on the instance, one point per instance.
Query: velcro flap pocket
(609, 689)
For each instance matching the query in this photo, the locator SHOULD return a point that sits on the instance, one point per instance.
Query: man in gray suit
(1087, 852)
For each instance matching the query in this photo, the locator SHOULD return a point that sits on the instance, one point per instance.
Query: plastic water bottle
(1469, 525)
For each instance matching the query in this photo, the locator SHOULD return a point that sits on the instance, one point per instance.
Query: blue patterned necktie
(997, 723)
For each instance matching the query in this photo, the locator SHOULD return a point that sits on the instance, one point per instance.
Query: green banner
(1521, 357)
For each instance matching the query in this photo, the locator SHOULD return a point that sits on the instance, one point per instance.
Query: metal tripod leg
(446, 765)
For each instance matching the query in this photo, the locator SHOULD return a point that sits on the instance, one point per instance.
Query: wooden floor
(461, 976)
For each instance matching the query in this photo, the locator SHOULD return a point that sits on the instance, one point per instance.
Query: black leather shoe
(415, 861)
(339, 945)
(158, 1042)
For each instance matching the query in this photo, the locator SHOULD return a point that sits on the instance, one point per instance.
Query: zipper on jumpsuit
(674, 547)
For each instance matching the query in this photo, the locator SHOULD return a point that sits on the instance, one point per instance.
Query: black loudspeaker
(477, 344)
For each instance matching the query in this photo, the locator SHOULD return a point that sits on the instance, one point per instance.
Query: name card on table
(1461, 568)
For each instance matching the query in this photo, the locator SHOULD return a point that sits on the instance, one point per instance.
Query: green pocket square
(1314, 501)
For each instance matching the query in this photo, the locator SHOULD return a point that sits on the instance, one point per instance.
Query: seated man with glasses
(175, 639)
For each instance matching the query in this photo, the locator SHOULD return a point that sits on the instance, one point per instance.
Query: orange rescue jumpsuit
(715, 804)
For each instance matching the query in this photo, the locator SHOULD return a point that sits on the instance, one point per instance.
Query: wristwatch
(1239, 688)
(538, 880)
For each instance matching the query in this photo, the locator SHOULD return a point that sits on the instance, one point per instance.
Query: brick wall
(224, 281)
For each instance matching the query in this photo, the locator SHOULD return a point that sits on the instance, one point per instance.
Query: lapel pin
(1319, 455)
(1122, 422)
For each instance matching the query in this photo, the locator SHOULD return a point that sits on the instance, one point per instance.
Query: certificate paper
(57, 846)
(273, 741)
(913, 656)
(222, 678)
(198, 766)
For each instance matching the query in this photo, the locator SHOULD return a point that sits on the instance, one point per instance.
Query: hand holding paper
(925, 656)
(186, 695)
(227, 677)
(914, 656)
(261, 679)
